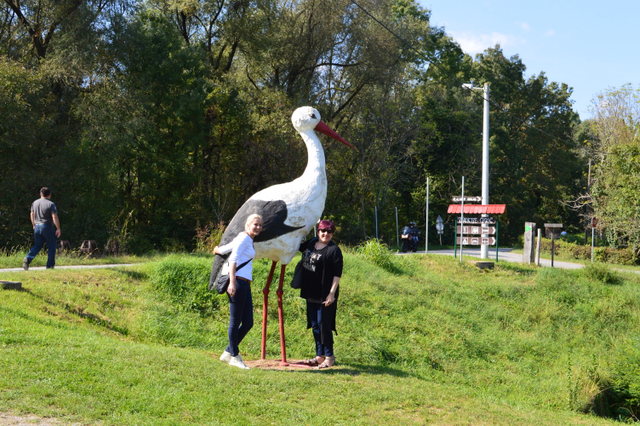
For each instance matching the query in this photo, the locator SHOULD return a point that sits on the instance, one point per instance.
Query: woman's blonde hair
(251, 218)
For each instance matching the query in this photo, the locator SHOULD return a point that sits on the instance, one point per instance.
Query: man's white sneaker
(225, 357)
(236, 361)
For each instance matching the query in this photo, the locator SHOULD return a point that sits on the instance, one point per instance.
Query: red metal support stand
(279, 292)
(265, 308)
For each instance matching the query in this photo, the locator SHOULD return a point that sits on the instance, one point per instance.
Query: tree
(616, 183)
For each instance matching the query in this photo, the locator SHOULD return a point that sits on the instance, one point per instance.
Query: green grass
(425, 340)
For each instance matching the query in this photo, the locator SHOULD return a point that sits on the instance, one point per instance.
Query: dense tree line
(152, 119)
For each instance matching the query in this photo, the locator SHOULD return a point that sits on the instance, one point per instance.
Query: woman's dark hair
(327, 224)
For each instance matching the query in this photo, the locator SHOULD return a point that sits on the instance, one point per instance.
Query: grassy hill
(421, 339)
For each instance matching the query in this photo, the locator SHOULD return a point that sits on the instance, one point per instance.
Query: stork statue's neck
(315, 157)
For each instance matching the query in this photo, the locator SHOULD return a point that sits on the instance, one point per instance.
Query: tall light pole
(484, 248)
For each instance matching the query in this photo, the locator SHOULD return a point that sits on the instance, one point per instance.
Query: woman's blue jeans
(44, 233)
(241, 315)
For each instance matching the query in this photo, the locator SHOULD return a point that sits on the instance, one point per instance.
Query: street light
(484, 249)
(440, 227)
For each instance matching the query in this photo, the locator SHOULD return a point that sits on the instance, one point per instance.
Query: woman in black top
(321, 272)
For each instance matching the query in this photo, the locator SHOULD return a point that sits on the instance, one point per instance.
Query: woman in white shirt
(239, 290)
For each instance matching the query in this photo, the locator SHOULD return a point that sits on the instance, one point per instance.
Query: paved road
(40, 268)
(506, 254)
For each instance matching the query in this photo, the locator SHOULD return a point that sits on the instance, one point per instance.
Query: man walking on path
(44, 215)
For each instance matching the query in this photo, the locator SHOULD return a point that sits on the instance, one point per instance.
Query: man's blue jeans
(44, 233)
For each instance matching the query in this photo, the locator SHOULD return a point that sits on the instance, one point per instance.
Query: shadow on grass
(351, 370)
(134, 275)
(79, 312)
(517, 268)
(357, 369)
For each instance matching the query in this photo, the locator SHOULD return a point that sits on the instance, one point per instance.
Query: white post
(426, 222)
(461, 220)
(538, 244)
(484, 249)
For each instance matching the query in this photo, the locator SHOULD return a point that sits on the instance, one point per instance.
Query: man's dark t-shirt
(42, 209)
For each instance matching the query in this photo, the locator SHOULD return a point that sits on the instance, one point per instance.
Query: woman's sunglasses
(326, 230)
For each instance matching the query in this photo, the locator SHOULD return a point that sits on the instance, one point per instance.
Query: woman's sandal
(329, 361)
(312, 362)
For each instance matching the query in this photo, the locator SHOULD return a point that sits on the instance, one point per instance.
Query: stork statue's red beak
(323, 128)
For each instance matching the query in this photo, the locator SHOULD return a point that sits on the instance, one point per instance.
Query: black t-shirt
(318, 269)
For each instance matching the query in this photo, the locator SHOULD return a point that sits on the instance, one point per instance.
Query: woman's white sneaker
(225, 357)
(236, 361)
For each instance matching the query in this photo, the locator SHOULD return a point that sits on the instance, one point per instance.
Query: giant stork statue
(289, 211)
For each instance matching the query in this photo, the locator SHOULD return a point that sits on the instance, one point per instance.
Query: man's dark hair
(45, 191)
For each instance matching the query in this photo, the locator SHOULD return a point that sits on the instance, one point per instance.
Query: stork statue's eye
(313, 115)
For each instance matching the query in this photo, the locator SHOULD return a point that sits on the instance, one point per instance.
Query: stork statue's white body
(304, 196)
(288, 210)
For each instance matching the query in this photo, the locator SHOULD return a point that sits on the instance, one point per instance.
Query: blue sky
(590, 45)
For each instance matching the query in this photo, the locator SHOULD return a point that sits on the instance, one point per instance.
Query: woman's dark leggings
(241, 315)
(321, 329)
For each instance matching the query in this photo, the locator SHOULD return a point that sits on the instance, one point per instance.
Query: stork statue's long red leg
(265, 308)
(279, 292)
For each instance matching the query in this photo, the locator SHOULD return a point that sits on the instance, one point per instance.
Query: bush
(378, 253)
(625, 383)
(601, 273)
(621, 256)
(208, 236)
(186, 281)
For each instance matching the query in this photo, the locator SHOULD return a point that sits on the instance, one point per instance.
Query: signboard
(470, 199)
(552, 230)
(477, 230)
(476, 241)
(487, 220)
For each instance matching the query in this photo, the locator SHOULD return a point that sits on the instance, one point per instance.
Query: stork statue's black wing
(274, 214)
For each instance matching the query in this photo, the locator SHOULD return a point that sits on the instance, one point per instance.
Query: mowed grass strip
(422, 339)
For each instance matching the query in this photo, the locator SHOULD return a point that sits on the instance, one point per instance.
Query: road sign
(477, 230)
(488, 220)
(470, 199)
(476, 241)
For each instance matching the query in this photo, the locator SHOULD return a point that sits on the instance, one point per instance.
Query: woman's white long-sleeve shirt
(241, 249)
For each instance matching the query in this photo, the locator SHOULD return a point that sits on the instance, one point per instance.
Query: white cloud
(550, 33)
(524, 26)
(477, 43)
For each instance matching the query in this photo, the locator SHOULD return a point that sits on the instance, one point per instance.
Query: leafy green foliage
(616, 184)
(626, 371)
(377, 253)
(168, 119)
(571, 250)
(602, 273)
(186, 282)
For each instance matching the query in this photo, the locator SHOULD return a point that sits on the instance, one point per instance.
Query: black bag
(223, 280)
(296, 282)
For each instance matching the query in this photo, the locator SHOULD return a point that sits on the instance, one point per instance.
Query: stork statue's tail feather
(218, 261)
